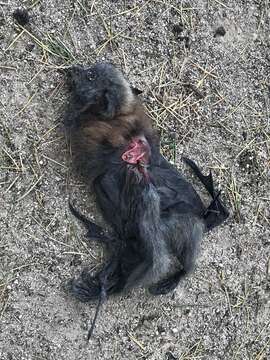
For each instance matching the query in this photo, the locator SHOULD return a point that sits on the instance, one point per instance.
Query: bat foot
(86, 287)
(167, 285)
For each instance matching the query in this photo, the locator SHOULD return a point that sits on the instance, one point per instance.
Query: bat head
(100, 90)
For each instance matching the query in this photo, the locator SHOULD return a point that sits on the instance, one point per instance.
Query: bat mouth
(138, 152)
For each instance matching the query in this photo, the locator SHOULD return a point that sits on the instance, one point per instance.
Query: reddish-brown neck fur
(118, 132)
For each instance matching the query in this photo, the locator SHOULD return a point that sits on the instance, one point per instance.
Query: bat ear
(84, 106)
(136, 91)
(102, 104)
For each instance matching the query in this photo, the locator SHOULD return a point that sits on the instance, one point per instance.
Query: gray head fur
(100, 90)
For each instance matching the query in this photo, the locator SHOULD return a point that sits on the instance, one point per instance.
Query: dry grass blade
(222, 4)
(31, 188)
(14, 40)
(12, 183)
(28, 102)
(55, 46)
(261, 355)
(193, 352)
(59, 49)
(136, 341)
(10, 157)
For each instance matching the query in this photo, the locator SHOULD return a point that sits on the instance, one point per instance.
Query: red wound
(138, 152)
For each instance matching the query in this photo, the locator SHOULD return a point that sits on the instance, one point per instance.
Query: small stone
(220, 31)
(177, 29)
(21, 16)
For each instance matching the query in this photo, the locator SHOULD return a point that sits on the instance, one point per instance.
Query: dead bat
(156, 217)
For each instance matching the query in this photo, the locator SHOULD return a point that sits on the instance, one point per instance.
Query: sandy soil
(208, 94)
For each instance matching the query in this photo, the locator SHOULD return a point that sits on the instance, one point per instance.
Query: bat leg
(107, 281)
(186, 255)
(206, 180)
(86, 287)
(167, 285)
(216, 213)
(187, 258)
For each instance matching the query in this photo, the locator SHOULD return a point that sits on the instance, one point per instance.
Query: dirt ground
(203, 67)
